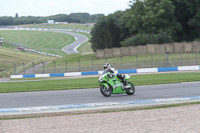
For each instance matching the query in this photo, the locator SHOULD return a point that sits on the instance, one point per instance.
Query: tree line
(71, 18)
(148, 22)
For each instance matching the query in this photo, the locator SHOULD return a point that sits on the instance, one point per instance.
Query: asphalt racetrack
(72, 48)
(93, 95)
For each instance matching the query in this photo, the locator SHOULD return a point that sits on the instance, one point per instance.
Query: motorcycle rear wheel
(105, 91)
(130, 91)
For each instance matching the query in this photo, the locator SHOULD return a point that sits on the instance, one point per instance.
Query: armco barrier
(20, 28)
(44, 29)
(143, 70)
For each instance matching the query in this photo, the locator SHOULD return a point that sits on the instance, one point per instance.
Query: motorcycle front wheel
(106, 91)
(131, 90)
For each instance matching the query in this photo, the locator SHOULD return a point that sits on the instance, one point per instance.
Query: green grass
(93, 82)
(49, 42)
(44, 41)
(60, 26)
(86, 47)
(38, 39)
(8, 57)
(129, 62)
(87, 62)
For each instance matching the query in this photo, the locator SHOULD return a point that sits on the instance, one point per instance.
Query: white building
(50, 21)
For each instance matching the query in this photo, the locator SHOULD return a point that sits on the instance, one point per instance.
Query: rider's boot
(125, 82)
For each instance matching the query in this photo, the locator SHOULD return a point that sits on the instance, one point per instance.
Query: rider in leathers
(108, 68)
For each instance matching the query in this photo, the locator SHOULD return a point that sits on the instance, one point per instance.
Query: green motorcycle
(113, 85)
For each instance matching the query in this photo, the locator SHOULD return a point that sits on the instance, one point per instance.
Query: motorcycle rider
(113, 72)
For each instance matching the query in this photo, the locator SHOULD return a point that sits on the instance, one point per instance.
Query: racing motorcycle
(110, 84)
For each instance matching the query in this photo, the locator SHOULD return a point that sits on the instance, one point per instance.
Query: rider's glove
(110, 75)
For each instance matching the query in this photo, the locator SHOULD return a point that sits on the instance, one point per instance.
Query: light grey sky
(53, 7)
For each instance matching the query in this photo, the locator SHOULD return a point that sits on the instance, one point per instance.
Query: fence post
(181, 59)
(137, 60)
(79, 65)
(195, 58)
(152, 62)
(7, 73)
(121, 62)
(54, 66)
(92, 64)
(43, 66)
(14, 69)
(66, 65)
(167, 60)
(33, 67)
(23, 68)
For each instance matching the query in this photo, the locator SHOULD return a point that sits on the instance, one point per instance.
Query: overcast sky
(53, 7)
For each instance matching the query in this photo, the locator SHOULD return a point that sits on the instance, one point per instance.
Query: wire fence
(128, 62)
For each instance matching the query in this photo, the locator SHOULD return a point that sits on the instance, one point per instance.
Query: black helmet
(106, 66)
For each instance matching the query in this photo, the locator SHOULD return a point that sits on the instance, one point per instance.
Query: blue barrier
(160, 69)
(127, 71)
(57, 74)
(29, 76)
(90, 73)
(8, 110)
(167, 69)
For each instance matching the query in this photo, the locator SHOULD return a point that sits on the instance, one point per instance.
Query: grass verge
(92, 82)
(79, 62)
(9, 57)
(38, 39)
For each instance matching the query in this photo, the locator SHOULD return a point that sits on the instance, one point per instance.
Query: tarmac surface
(93, 95)
(72, 48)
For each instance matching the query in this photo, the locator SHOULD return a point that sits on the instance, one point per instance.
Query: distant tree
(187, 13)
(133, 17)
(97, 33)
(6, 20)
(58, 17)
(151, 16)
(143, 39)
(78, 17)
(16, 15)
(94, 18)
(72, 18)
(106, 32)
